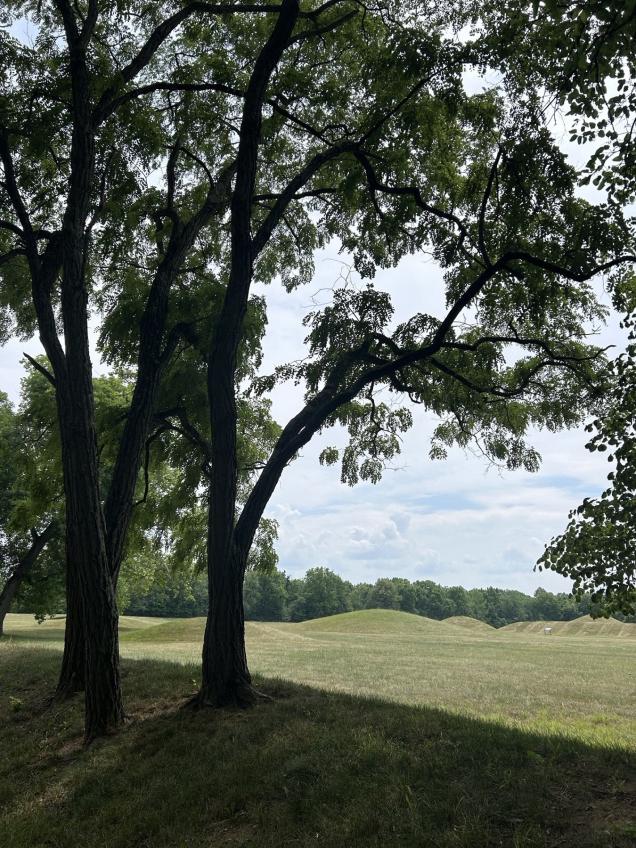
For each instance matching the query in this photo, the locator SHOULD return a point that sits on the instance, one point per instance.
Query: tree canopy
(587, 63)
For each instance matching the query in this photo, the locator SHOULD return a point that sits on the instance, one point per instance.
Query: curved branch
(289, 193)
(43, 371)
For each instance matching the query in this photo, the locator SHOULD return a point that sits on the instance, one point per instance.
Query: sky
(457, 521)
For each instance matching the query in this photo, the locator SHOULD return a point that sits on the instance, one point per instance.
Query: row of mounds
(383, 622)
(25, 626)
(168, 630)
(372, 622)
(378, 622)
(583, 626)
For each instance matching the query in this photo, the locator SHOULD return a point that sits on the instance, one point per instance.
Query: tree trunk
(226, 678)
(72, 673)
(92, 623)
(24, 566)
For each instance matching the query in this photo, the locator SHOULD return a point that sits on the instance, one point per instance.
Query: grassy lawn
(464, 736)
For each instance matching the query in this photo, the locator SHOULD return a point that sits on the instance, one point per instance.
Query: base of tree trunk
(241, 697)
(72, 674)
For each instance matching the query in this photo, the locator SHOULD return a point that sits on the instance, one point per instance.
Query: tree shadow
(308, 768)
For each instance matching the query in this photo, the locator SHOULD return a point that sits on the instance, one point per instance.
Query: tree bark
(86, 554)
(91, 606)
(226, 680)
(24, 566)
(72, 673)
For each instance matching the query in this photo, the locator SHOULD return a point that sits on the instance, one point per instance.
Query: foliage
(30, 487)
(265, 596)
(598, 548)
(320, 593)
(582, 52)
(219, 147)
(271, 596)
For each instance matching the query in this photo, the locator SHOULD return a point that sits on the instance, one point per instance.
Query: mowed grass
(579, 685)
(383, 729)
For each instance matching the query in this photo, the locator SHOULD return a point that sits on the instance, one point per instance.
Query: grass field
(385, 729)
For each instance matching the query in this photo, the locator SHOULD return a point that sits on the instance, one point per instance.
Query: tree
(265, 596)
(459, 599)
(321, 593)
(582, 53)
(360, 597)
(500, 216)
(597, 548)
(29, 518)
(277, 131)
(33, 478)
(406, 594)
(431, 600)
(71, 162)
(385, 595)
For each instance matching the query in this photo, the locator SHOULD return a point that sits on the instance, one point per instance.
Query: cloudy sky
(456, 522)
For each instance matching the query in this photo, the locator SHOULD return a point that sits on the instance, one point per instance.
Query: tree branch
(149, 442)
(43, 371)
(289, 192)
(322, 30)
(159, 36)
(15, 197)
(108, 109)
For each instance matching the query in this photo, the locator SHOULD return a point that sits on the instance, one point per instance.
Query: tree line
(161, 161)
(274, 596)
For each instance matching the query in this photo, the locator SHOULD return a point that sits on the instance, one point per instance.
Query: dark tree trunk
(225, 675)
(24, 566)
(72, 673)
(92, 609)
(86, 553)
(226, 678)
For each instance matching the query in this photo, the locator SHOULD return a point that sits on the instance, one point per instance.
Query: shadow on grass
(308, 768)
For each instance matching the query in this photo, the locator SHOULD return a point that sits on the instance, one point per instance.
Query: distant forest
(276, 597)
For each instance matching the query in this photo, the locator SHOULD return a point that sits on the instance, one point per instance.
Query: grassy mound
(172, 630)
(25, 626)
(306, 768)
(587, 626)
(531, 627)
(469, 623)
(583, 626)
(380, 621)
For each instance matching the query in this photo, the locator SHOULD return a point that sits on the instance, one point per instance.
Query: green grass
(406, 732)
(470, 623)
(381, 622)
